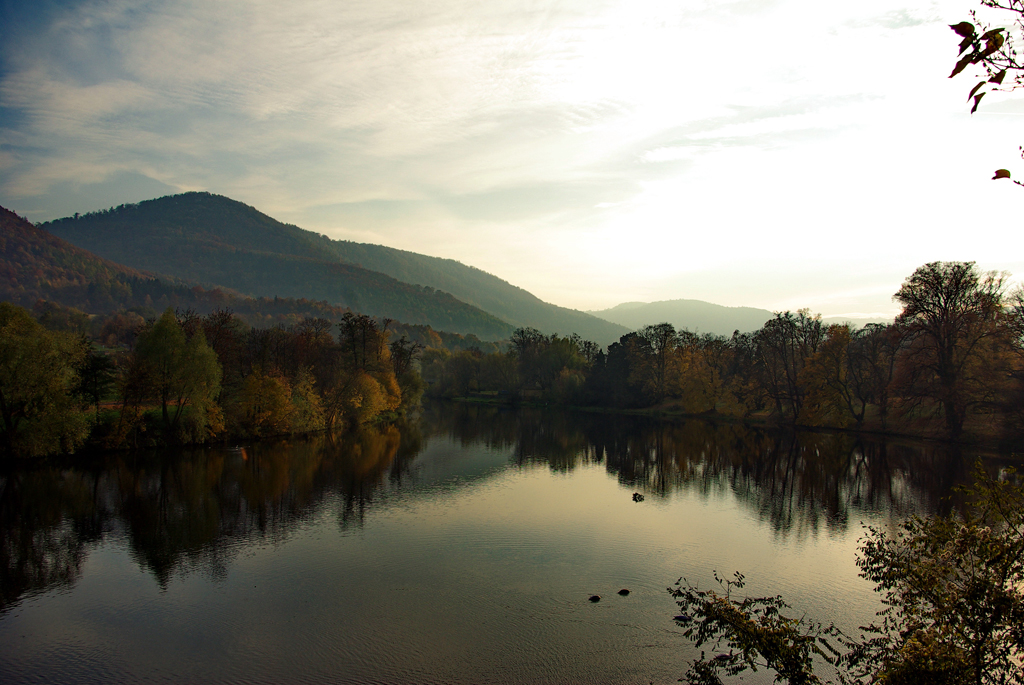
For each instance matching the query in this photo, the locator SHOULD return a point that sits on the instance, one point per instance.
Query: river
(460, 547)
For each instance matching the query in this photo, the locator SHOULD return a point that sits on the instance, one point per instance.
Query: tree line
(952, 361)
(184, 378)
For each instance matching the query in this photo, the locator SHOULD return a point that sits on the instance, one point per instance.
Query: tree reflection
(188, 512)
(801, 483)
(185, 512)
(47, 518)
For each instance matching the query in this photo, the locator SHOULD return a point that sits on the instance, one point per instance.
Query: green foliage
(307, 408)
(182, 373)
(96, 376)
(953, 589)
(38, 375)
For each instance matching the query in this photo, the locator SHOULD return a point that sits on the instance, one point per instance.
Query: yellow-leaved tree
(38, 374)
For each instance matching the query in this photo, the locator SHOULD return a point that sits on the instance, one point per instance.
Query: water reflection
(187, 512)
(796, 481)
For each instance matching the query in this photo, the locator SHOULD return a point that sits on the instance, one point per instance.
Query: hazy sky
(777, 154)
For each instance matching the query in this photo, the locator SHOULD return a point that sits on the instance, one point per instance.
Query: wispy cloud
(589, 151)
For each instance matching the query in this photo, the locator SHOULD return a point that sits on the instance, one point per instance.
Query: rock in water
(623, 592)
(595, 598)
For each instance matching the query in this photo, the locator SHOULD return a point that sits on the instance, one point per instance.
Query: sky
(767, 153)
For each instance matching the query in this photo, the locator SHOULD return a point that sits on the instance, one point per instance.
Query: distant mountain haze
(694, 315)
(215, 240)
(700, 316)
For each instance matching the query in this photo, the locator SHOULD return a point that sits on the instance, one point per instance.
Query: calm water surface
(460, 548)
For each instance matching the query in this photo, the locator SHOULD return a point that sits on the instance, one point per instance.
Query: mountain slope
(38, 266)
(35, 264)
(198, 237)
(214, 239)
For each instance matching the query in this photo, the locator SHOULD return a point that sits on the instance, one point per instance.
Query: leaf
(977, 99)
(998, 78)
(975, 89)
(961, 65)
(992, 42)
(965, 29)
(1001, 173)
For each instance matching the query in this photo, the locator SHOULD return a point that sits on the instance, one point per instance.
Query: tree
(654, 364)
(38, 374)
(757, 630)
(991, 50)
(784, 344)
(954, 594)
(874, 351)
(705, 382)
(950, 313)
(954, 601)
(183, 372)
(96, 376)
(830, 397)
(263, 406)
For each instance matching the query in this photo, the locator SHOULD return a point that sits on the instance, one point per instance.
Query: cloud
(582, 150)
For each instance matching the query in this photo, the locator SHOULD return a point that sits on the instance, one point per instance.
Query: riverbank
(980, 437)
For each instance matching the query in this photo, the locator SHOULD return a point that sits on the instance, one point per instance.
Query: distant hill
(695, 315)
(216, 240)
(704, 317)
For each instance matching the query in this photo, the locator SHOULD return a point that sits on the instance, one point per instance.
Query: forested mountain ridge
(40, 271)
(214, 239)
(221, 243)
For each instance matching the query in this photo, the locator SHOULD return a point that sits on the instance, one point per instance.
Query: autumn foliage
(951, 364)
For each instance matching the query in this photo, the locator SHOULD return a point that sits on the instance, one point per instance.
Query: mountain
(695, 315)
(216, 240)
(221, 243)
(37, 267)
(704, 317)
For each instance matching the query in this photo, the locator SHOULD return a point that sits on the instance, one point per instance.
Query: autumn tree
(950, 313)
(951, 588)
(706, 385)
(363, 384)
(654, 363)
(784, 345)
(263, 405)
(952, 591)
(873, 355)
(830, 398)
(39, 371)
